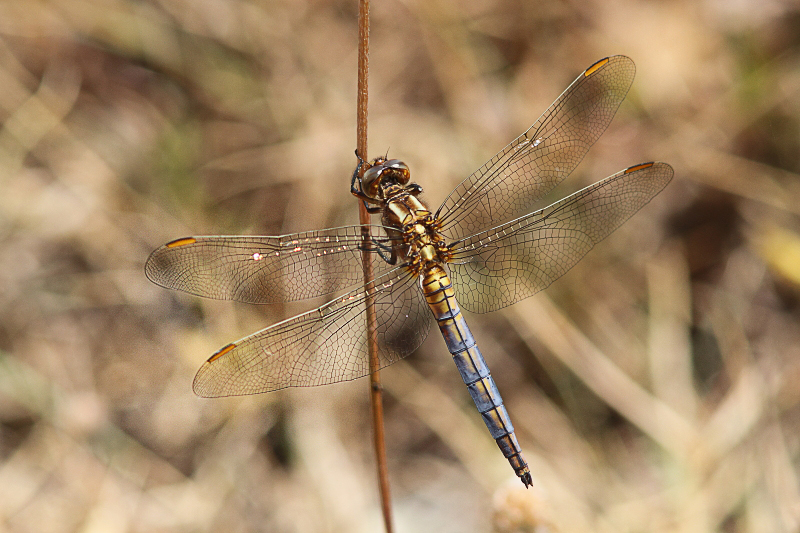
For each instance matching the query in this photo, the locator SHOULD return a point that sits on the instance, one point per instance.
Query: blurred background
(655, 387)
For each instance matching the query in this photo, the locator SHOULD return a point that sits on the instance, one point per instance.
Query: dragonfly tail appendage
(469, 360)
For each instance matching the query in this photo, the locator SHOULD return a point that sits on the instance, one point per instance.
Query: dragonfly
(484, 248)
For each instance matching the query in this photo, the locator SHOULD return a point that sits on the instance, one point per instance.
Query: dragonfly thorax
(416, 232)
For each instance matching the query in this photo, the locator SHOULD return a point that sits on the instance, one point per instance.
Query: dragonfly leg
(361, 163)
(372, 210)
(382, 250)
(359, 193)
(414, 189)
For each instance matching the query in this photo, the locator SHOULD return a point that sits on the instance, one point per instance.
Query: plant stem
(376, 391)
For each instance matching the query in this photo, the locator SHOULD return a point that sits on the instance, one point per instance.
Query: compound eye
(396, 163)
(401, 171)
(370, 183)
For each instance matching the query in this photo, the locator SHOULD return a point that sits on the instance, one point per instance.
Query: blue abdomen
(470, 363)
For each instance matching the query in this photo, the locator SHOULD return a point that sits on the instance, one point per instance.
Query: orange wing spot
(181, 242)
(594, 68)
(222, 351)
(638, 167)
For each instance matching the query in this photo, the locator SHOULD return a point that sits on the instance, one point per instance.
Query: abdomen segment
(441, 299)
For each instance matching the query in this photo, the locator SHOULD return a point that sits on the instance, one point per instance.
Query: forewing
(500, 266)
(510, 183)
(326, 345)
(265, 269)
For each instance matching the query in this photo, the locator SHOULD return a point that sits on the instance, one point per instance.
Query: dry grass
(654, 388)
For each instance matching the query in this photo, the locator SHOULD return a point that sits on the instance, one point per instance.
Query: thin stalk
(376, 391)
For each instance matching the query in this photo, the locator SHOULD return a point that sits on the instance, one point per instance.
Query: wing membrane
(265, 269)
(509, 184)
(500, 266)
(326, 345)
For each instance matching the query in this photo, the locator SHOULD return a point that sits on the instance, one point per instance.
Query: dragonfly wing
(510, 183)
(265, 269)
(326, 345)
(500, 266)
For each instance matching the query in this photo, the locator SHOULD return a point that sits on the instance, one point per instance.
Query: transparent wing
(265, 269)
(326, 345)
(500, 266)
(509, 184)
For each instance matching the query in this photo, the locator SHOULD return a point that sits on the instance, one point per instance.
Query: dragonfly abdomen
(441, 299)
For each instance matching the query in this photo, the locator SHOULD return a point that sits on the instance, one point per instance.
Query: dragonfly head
(383, 173)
